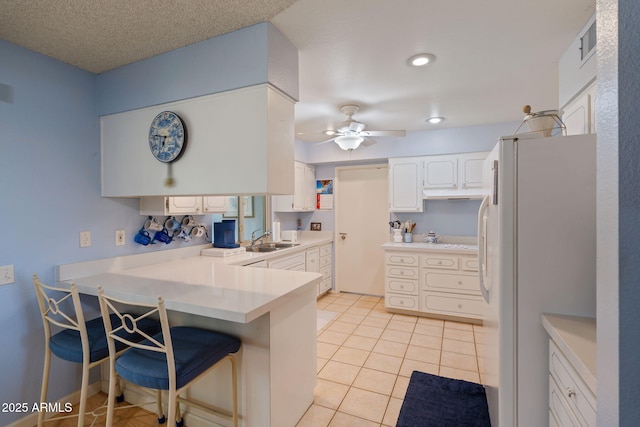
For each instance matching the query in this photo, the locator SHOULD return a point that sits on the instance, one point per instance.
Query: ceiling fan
(351, 133)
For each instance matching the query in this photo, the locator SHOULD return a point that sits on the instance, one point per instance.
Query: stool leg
(45, 382)
(234, 387)
(179, 422)
(83, 393)
(161, 418)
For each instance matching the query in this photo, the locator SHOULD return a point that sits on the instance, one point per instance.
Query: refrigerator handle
(482, 255)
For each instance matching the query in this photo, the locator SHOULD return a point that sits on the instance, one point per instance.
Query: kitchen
(33, 134)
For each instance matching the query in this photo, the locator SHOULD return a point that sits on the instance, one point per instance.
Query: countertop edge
(564, 331)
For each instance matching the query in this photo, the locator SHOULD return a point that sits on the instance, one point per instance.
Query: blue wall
(50, 172)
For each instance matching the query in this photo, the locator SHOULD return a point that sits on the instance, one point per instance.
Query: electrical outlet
(120, 237)
(6, 274)
(85, 239)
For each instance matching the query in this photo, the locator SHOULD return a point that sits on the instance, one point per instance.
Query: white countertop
(199, 285)
(421, 247)
(217, 287)
(304, 243)
(576, 338)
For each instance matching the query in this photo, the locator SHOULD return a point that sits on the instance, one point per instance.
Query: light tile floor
(366, 356)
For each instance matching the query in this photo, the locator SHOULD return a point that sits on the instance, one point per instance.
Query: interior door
(362, 226)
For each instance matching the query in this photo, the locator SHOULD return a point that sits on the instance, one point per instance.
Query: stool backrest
(61, 307)
(110, 305)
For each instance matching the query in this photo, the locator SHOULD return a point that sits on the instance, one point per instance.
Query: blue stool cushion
(68, 346)
(195, 350)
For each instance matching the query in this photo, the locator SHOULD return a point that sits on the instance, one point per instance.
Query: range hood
(453, 194)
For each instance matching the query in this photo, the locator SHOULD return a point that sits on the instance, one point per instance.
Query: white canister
(275, 231)
(397, 235)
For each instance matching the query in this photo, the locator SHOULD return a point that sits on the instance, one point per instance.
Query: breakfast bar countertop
(200, 285)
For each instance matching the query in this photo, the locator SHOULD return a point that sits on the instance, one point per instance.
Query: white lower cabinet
(571, 403)
(326, 268)
(317, 259)
(295, 262)
(433, 282)
(401, 280)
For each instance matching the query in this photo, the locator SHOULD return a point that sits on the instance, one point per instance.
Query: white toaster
(289, 235)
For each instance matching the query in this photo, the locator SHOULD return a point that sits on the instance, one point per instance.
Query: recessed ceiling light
(421, 59)
(435, 120)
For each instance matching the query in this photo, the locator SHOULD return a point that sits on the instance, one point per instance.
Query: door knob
(343, 235)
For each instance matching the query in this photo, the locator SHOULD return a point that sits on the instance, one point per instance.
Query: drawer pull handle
(460, 306)
(439, 262)
(459, 282)
(570, 392)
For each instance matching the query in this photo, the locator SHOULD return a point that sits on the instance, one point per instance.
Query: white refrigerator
(537, 253)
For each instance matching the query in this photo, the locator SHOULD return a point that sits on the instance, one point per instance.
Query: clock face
(167, 136)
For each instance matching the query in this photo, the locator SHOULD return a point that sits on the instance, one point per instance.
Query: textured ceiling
(100, 35)
(493, 56)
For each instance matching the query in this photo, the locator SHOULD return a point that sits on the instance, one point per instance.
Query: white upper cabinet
(577, 82)
(238, 142)
(304, 197)
(441, 172)
(579, 116)
(215, 204)
(453, 176)
(405, 191)
(183, 205)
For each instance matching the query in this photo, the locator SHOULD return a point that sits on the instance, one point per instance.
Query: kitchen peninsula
(272, 311)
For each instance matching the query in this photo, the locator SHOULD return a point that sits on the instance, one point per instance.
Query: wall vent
(588, 42)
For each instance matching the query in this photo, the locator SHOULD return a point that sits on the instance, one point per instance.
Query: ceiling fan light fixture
(435, 120)
(421, 59)
(329, 132)
(349, 142)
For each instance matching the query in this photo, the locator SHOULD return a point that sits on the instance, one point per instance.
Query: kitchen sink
(270, 246)
(259, 248)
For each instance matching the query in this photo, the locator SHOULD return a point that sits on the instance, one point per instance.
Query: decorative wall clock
(167, 137)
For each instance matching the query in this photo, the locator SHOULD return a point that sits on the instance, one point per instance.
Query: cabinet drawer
(402, 286)
(469, 263)
(450, 282)
(325, 250)
(325, 260)
(559, 410)
(463, 305)
(325, 271)
(405, 302)
(287, 262)
(402, 272)
(439, 261)
(402, 258)
(572, 387)
(324, 286)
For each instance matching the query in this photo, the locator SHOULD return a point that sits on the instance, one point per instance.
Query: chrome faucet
(255, 239)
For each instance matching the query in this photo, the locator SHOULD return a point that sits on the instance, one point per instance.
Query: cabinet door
(576, 116)
(441, 172)
(591, 94)
(313, 259)
(184, 205)
(298, 196)
(470, 170)
(215, 204)
(309, 188)
(405, 192)
(304, 197)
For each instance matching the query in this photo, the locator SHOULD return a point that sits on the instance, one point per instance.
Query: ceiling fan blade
(312, 136)
(324, 142)
(384, 133)
(356, 126)
(368, 142)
